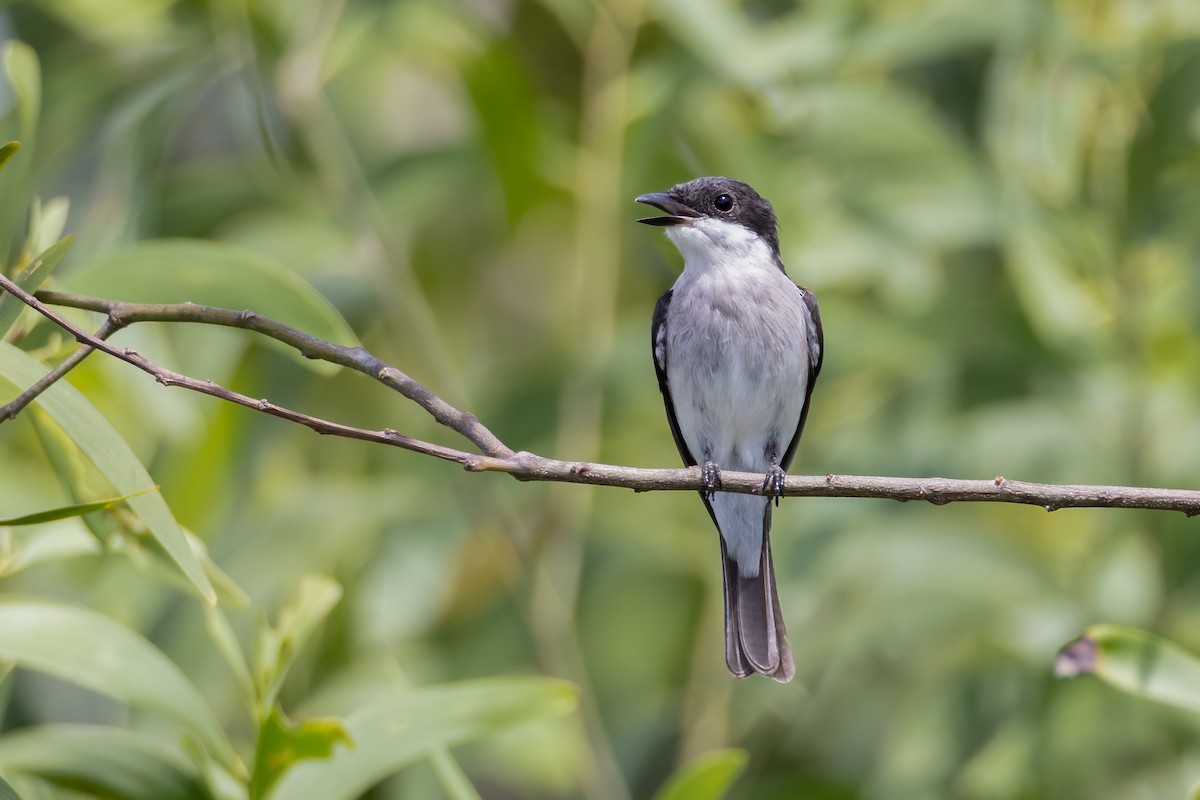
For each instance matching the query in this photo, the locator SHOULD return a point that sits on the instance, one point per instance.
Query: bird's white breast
(737, 335)
(737, 363)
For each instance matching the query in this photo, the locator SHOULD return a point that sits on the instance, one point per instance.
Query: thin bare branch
(170, 378)
(355, 358)
(17, 404)
(528, 466)
(938, 491)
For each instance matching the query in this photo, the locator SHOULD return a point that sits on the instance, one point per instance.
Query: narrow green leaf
(54, 542)
(31, 279)
(215, 274)
(47, 223)
(6, 686)
(454, 781)
(278, 647)
(727, 39)
(283, 744)
(93, 651)
(1135, 662)
(115, 26)
(706, 777)
(69, 511)
(7, 792)
(144, 552)
(41, 267)
(7, 151)
(1060, 302)
(24, 74)
(110, 762)
(221, 632)
(72, 469)
(111, 455)
(391, 734)
(162, 564)
(221, 784)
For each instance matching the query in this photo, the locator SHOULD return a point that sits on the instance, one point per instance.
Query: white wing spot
(660, 351)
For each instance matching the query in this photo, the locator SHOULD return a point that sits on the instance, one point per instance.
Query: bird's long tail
(755, 636)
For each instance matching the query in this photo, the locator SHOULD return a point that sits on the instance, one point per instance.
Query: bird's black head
(719, 198)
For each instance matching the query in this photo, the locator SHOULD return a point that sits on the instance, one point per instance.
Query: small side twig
(18, 403)
(170, 378)
(355, 358)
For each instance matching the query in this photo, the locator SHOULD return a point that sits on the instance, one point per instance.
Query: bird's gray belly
(737, 380)
(737, 366)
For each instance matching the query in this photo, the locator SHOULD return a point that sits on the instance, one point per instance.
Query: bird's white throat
(713, 245)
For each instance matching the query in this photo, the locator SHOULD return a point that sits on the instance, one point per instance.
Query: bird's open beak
(677, 213)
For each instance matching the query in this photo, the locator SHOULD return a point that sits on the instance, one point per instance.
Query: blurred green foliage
(994, 202)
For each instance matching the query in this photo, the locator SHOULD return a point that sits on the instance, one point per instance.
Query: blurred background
(995, 204)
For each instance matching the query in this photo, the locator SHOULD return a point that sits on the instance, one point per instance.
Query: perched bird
(737, 348)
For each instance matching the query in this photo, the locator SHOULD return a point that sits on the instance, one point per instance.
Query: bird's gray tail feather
(755, 636)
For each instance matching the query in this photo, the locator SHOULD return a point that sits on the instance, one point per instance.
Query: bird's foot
(773, 483)
(710, 475)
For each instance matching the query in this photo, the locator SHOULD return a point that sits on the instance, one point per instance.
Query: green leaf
(278, 647)
(110, 762)
(46, 224)
(112, 456)
(1043, 262)
(97, 653)
(116, 26)
(222, 785)
(505, 100)
(392, 733)
(283, 744)
(215, 274)
(72, 469)
(1135, 662)
(144, 552)
(928, 31)
(7, 792)
(162, 564)
(221, 632)
(24, 74)
(726, 38)
(455, 782)
(7, 151)
(706, 777)
(31, 279)
(69, 511)
(54, 542)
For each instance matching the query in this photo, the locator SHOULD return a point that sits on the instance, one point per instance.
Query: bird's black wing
(816, 355)
(735, 658)
(658, 347)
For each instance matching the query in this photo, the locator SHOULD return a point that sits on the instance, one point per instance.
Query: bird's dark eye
(723, 202)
